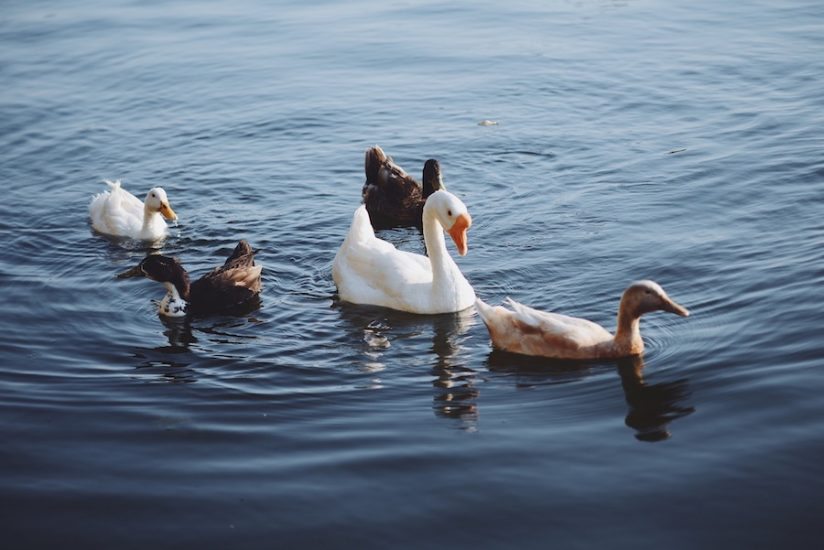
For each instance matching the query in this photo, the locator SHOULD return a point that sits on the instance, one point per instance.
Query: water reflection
(162, 367)
(179, 334)
(174, 362)
(651, 407)
(456, 392)
(455, 384)
(370, 326)
(375, 343)
(169, 363)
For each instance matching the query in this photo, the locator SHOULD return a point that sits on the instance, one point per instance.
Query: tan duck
(531, 332)
(392, 197)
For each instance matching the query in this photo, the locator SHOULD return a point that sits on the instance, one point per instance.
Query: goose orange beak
(167, 212)
(458, 232)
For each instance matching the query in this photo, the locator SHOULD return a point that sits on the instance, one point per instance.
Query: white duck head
(157, 202)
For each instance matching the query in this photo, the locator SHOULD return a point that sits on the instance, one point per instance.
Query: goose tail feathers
(361, 229)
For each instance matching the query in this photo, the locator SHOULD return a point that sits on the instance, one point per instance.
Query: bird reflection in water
(174, 362)
(179, 333)
(375, 344)
(456, 392)
(369, 326)
(169, 363)
(652, 406)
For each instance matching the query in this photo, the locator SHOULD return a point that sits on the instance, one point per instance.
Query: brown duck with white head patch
(532, 332)
(233, 285)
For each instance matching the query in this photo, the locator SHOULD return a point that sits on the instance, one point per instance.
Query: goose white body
(368, 270)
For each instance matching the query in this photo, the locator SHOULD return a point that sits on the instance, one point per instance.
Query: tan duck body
(392, 197)
(532, 332)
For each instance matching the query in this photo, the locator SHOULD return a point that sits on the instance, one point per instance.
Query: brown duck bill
(131, 272)
(675, 308)
(458, 233)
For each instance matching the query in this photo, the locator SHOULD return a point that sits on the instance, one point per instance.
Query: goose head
(646, 296)
(452, 214)
(156, 201)
(432, 179)
(170, 272)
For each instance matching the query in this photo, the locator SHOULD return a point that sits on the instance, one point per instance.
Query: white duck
(532, 332)
(368, 270)
(119, 213)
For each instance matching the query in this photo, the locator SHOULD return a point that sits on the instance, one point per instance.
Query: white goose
(368, 270)
(532, 332)
(119, 213)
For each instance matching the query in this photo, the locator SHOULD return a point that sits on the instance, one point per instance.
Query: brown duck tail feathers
(241, 255)
(374, 159)
(380, 168)
(248, 277)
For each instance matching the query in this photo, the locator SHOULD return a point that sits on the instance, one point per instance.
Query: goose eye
(449, 213)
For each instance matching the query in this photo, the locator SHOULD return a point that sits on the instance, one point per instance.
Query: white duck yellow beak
(167, 212)
(458, 232)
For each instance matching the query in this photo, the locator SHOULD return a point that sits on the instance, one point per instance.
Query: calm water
(680, 142)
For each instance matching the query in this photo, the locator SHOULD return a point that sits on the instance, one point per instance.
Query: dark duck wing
(392, 197)
(232, 285)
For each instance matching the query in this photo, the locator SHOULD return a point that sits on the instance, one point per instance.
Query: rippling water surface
(680, 142)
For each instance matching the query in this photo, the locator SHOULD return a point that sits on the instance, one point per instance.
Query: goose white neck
(446, 276)
(172, 305)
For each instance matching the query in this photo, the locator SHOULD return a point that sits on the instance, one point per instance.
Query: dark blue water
(680, 142)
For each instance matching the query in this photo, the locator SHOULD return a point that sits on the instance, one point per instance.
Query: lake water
(680, 142)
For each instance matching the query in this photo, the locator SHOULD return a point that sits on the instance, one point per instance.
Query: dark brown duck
(233, 285)
(392, 197)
